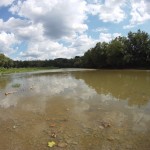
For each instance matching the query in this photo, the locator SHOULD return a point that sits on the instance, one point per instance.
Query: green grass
(19, 70)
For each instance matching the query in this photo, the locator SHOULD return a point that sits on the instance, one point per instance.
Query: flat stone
(62, 145)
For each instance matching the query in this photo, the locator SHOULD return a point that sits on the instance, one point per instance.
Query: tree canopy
(5, 61)
(122, 52)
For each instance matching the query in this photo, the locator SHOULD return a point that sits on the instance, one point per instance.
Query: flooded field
(75, 110)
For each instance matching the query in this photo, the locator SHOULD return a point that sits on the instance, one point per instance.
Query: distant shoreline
(53, 69)
(22, 70)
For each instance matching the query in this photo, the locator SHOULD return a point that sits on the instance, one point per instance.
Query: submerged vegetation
(16, 85)
(132, 51)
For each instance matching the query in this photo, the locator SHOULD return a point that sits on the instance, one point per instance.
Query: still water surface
(85, 109)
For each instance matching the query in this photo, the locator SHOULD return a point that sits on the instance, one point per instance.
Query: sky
(49, 29)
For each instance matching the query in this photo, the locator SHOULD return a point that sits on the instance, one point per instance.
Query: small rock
(101, 127)
(14, 127)
(64, 120)
(53, 135)
(105, 124)
(52, 125)
(74, 143)
(62, 145)
(31, 88)
(68, 141)
(110, 139)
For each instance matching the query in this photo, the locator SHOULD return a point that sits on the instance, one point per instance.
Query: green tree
(115, 53)
(99, 55)
(5, 61)
(87, 59)
(77, 62)
(138, 48)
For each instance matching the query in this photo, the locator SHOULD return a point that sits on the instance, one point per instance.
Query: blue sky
(32, 29)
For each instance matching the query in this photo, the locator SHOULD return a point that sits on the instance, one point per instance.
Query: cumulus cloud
(58, 18)
(140, 12)
(24, 30)
(5, 2)
(13, 24)
(109, 11)
(107, 37)
(83, 43)
(100, 29)
(7, 40)
(46, 27)
(46, 49)
(40, 46)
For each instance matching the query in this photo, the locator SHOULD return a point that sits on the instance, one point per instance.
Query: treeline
(6, 62)
(132, 51)
(122, 52)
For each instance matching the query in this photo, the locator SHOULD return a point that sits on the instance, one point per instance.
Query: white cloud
(100, 29)
(140, 12)
(48, 49)
(109, 11)
(107, 37)
(5, 2)
(47, 28)
(12, 24)
(24, 30)
(94, 9)
(82, 43)
(40, 46)
(58, 18)
(7, 40)
(128, 26)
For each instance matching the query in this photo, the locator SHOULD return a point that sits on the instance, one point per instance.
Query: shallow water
(86, 109)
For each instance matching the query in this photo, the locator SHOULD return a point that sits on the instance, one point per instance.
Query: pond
(77, 109)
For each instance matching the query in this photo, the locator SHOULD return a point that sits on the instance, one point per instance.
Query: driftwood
(12, 92)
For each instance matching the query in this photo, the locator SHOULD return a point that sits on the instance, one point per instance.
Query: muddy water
(85, 109)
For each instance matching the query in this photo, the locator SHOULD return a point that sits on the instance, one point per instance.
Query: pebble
(62, 145)
(53, 135)
(110, 139)
(101, 127)
(75, 143)
(14, 127)
(52, 125)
